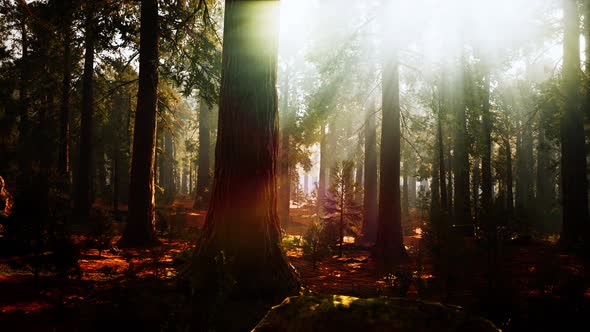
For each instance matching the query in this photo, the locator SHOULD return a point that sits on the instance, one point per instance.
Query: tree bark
(242, 222)
(203, 168)
(573, 149)
(24, 130)
(486, 159)
(370, 177)
(64, 117)
(83, 198)
(389, 247)
(322, 176)
(139, 231)
(509, 182)
(284, 179)
(462, 210)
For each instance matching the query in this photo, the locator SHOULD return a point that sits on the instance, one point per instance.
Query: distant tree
(341, 205)
(203, 168)
(370, 177)
(389, 247)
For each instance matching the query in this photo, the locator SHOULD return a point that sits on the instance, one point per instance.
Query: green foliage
(316, 242)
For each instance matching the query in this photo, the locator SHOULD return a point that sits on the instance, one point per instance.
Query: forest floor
(536, 287)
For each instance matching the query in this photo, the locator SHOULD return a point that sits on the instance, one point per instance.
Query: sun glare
(437, 28)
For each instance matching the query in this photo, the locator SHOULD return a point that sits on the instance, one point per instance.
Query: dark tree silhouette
(389, 247)
(573, 152)
(83, 201)
(370, 177)
(140, 222)
(204, 169)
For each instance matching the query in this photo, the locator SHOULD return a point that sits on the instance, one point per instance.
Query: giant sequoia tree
(242, 222)
(140, 222)
(83, 201)
(573, 151)
(389, 245)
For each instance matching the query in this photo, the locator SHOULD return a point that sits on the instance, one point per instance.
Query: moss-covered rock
(345, 313)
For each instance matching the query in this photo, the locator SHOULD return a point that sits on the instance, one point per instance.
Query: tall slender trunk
(64, 115)
(441, 155)
(545, 193)
(475, 180)
(509, 182)
(576, 227)
(449, 181)
(24, 134)
(322, 176)
(405, 197)
(242, 220)
(140, 222)
(486, 159)
(83, 199)
(389, 247)
(462, 210)
(370, 177)
(203, 168)
(284, 179)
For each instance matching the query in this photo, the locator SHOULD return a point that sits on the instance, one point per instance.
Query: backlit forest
(294, 165)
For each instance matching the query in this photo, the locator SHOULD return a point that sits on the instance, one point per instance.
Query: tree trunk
(83, 198)
(284, 180)
(370, 177)
(449, 167)
(524, 177)
(412, 190)
(573, 152)
(242, 222)
(462, 210)
(405, 197)
(486, 159)
(509, 182)
(64, 116)
(475, 179)
(203, 168)
(24, 130)
(322, 176)
(545, 194)
(441, 156)
(139, 231)
(389, 246)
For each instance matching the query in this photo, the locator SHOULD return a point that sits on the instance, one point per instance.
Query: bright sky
(436, 28)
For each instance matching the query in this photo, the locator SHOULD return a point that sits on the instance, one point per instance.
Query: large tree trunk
(242, 222)
(370, 177)
(573, 153)
(203, 167)
(83, 198)
(389, 247)
(139, 231)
